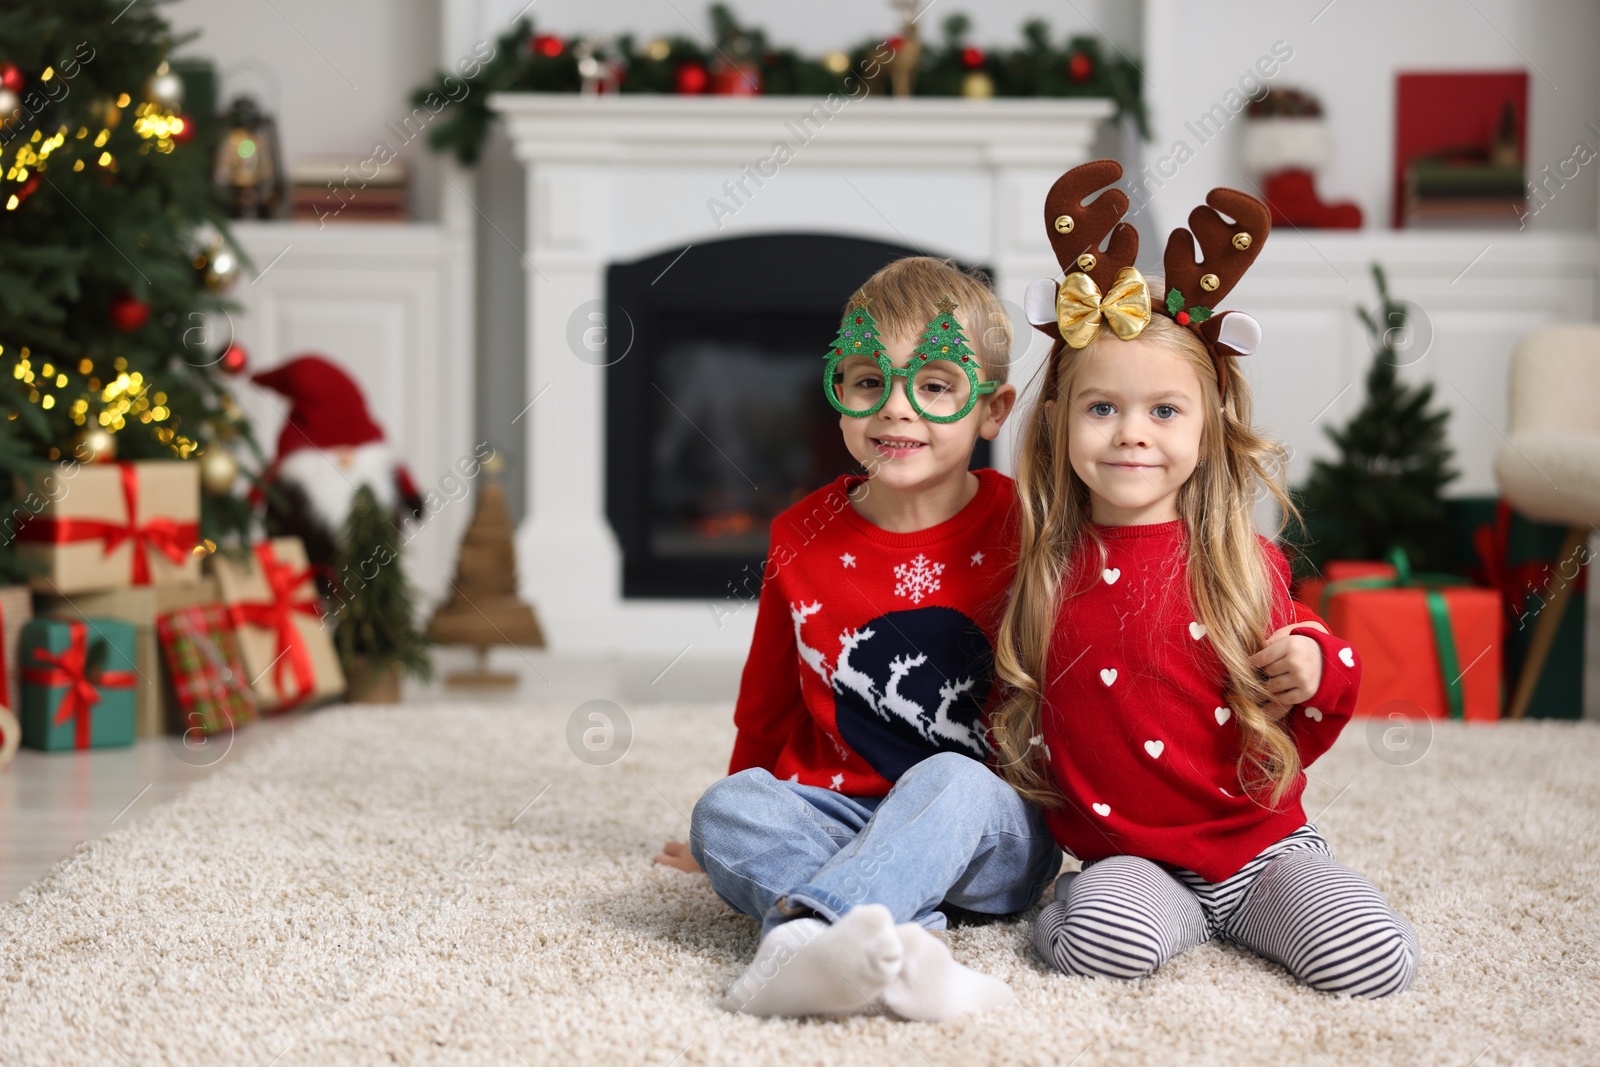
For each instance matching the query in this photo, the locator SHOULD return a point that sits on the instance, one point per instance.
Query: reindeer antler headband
(1101, 286)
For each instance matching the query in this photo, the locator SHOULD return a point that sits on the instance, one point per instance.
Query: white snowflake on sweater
(917, 578)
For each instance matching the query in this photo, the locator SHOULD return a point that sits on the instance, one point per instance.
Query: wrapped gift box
(16, 608)
(1497, 547)
(142, 607)
(77, 683)
(210, 689)
(277, 614)
(1393, 631)
(112, 525)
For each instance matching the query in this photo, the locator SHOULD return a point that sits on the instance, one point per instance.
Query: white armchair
(1549, 466)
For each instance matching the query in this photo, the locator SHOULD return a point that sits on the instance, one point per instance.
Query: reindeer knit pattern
(1135, 726)
(873, 650)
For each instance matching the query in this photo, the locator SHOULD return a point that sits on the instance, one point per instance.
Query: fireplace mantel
(614, 178)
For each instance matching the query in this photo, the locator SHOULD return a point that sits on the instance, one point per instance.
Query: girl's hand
(1292, 667)
(676, 854)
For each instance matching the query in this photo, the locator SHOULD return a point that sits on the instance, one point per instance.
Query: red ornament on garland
(546, 44)
(11, 77)
(1080, 68)
(692, 78)
(972, 58)
(127, 312)
(234, 359)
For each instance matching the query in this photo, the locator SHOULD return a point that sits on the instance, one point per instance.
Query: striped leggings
(1123, 917)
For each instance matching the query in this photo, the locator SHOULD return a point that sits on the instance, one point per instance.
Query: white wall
(333, 74)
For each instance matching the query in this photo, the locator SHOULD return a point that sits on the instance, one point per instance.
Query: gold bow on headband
(1080, 307)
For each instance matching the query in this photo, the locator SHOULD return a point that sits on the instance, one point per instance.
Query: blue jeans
(950, 831)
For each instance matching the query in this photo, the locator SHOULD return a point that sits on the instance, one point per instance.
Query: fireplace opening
(715, 418)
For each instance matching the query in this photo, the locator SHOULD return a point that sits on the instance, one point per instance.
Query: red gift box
(1393, 630)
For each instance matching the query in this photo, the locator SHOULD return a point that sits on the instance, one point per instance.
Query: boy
(858, 801)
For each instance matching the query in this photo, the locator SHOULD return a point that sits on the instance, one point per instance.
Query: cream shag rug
(452, 885)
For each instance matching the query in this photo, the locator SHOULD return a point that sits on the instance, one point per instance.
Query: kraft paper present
(277, 613)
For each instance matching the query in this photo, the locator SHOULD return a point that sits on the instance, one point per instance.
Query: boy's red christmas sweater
(873, 650)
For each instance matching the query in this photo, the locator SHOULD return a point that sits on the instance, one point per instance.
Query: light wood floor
(50, 802)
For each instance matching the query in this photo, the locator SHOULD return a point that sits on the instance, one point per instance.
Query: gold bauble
(977, 85)
(218, 471)
(94, 444)
(221, 268)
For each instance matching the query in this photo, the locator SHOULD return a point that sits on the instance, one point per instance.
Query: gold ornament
(838, 62)
(1209, 282)
(1064, 224)
(94, 444)
(221, 267)
(1080, 307)
(659, 49)
(1087, 261)
(1241, 241)
(218, 470)
(977, 85)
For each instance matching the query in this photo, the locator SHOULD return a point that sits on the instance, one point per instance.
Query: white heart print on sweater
(1347, 657)
(1102, 810)
(1155, 748)
(1197, 630)
(1111, 574)
(1223, 715)
(1108, 675)
(1314, 714)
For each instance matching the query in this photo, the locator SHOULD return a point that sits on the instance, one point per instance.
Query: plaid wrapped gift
(208, 678)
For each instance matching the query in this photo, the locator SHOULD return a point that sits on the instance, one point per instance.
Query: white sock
(931, 986)
(807, 967)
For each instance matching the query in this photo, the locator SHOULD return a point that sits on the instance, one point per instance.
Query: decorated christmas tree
(374, 605)
(1386, 488)
(858, 331)
(114, 256)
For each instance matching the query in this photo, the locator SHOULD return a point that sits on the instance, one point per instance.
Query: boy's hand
(1292, 666)
(676, 854)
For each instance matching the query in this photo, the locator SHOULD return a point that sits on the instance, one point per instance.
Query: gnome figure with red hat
(328, 449)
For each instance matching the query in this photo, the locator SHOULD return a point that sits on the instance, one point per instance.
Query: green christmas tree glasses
(941, 381)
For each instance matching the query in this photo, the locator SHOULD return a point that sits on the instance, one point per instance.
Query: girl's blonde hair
(904, 294)
(1229, 584)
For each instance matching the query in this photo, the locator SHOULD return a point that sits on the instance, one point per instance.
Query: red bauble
(692, 78)
(127, 312)
(547, 45)
(896, 43)
(234, 359)
(1080, 68)
(972, 58)
(11, 77)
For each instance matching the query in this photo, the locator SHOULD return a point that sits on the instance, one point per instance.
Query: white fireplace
(616, 178)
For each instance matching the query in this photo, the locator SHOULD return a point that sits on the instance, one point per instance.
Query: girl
(1151, 713)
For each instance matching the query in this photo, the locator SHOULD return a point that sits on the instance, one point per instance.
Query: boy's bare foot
(807, 967)
(932, 986)
(677, 854)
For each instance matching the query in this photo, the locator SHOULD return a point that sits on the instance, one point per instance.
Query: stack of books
(1450, 194)
(347, 190)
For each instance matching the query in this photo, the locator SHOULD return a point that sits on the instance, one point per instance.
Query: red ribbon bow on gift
(171, 538)
(278, 614)
(70, 668)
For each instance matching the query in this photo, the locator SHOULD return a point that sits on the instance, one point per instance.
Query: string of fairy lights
(117, 399)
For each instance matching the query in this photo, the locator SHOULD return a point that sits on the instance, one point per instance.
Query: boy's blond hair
(904, 294)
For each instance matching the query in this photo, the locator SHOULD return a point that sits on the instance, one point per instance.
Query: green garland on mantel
(523, 61)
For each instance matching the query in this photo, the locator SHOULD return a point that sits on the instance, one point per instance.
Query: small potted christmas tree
(1386, 489)
(375, 626)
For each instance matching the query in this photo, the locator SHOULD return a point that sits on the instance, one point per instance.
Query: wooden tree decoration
(484, 609)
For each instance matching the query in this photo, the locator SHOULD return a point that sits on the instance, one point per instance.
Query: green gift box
(78, 683)
(1495, 546)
